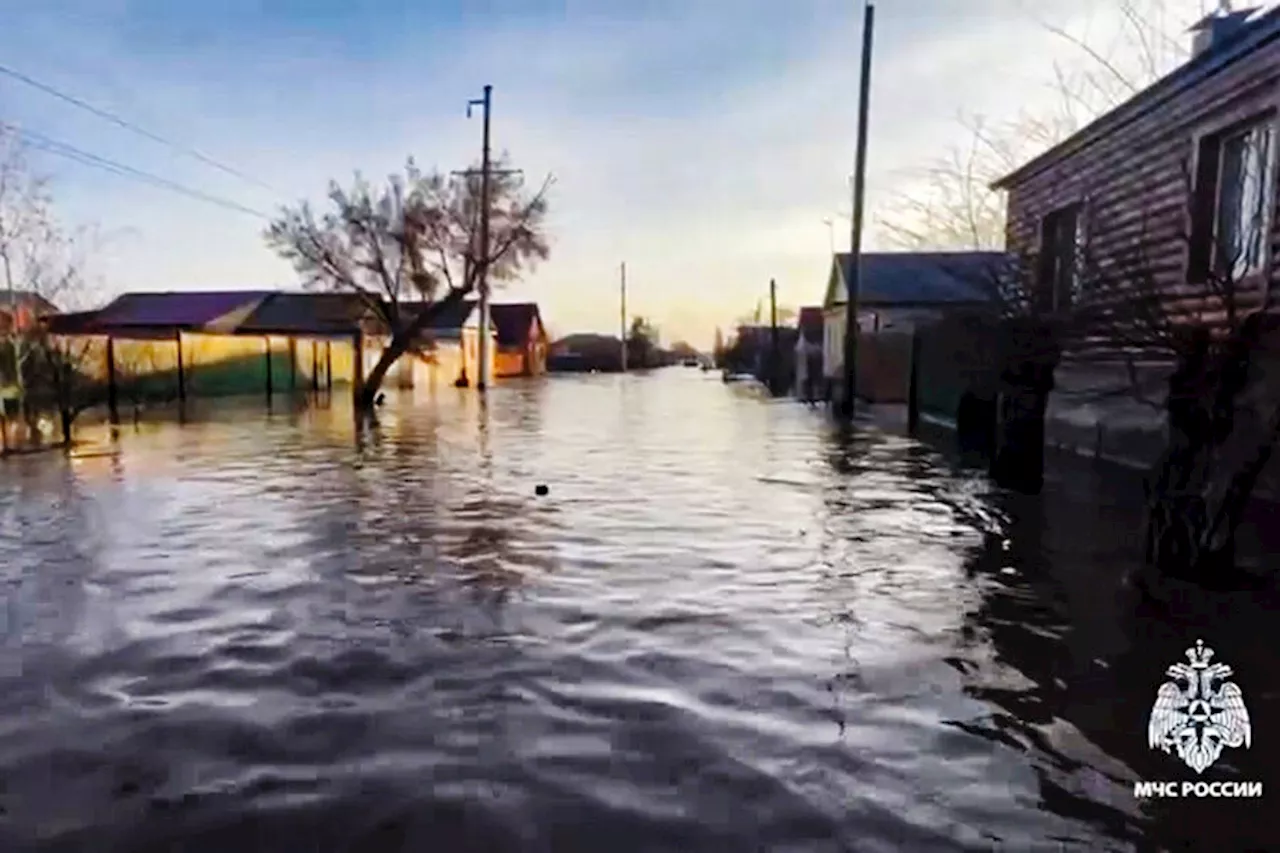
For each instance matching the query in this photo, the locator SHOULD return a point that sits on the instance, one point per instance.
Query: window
(1232, 202)
(1062, 239)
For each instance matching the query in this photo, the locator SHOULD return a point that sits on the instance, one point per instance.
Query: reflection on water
(727, 627)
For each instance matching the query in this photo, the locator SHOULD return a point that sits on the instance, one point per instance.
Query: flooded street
(725, 628)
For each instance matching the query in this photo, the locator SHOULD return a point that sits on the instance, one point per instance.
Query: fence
(884, 367)
(957, 354)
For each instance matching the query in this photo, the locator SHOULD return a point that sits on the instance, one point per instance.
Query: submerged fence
(956, 354)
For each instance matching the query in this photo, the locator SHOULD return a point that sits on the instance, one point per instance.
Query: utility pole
(481, 265)
(623, 316)
(775, 349)
(853, 281)
(483, 367)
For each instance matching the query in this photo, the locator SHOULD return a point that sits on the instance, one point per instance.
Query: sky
(703, 142)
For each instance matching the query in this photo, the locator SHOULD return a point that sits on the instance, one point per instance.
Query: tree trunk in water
(66, 426)
(399, 345)
(373, 382)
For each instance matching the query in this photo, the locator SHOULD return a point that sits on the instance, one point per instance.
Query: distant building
(21, 309)
(808, 357)
(522, 339)
(898, 291)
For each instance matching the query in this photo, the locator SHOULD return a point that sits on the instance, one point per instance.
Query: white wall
(833, 342)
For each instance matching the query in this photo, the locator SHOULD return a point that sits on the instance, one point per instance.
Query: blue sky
(703, 142)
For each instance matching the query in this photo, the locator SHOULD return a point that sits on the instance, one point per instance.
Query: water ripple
(729, 626)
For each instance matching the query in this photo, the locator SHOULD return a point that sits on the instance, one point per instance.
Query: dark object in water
(976, 424)
(541, 489)
(380, 399)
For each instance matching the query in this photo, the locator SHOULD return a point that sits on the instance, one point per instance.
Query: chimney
(1218, 28)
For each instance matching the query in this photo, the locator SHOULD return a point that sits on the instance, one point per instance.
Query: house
(522, 340)
(585, 352)
(157, 344)
(212, 343)
(1186, 169)
(447, 351)
(809, 324)
(21, 308)
(898, 291)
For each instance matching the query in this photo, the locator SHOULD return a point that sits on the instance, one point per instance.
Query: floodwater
(727, 627)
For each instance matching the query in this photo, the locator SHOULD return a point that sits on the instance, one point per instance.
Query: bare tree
(410, 249)
(1115, 304)
(24, 221)
(42, 266)
(951, 204)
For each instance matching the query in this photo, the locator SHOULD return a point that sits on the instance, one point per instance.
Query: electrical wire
(130, 126)
(40, 142)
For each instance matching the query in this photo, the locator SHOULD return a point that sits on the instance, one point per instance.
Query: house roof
(300, 314)
(241, 312)
(1255, 34)
(178, 310)
(810, 322)
(513, 320)
(75, 323)
(585, 341)
(450, 319)
(916, 278)
(27, 299)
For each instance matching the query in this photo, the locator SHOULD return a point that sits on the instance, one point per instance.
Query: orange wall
(509, 362)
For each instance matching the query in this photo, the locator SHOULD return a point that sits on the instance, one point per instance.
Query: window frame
(1049, 283)
(1203, 258)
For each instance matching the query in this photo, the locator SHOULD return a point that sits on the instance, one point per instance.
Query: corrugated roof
(451, 319)
(923, 278)
(302, 314)
(177, 310)
(77, 323)
(1253, 35)
(513, 320)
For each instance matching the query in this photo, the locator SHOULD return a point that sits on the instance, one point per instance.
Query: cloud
(703, 143)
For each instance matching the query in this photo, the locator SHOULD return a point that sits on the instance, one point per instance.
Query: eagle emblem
(1198, 711)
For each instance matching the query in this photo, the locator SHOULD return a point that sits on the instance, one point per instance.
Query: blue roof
(924, 278)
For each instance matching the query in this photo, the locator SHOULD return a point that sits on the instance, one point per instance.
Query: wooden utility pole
(853, 279)
(483, 367)
(482, 263)
(623, 316)
(775, 352)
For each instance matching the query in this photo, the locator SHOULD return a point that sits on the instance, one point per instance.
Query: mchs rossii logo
(1198, 713)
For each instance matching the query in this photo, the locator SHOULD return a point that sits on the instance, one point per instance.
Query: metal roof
(513, 320)
(923, 278)
(189, 310)
(301, 314)
(450, 319)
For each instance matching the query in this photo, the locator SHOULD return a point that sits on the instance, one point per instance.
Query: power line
(41, 142)
(127, 125)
